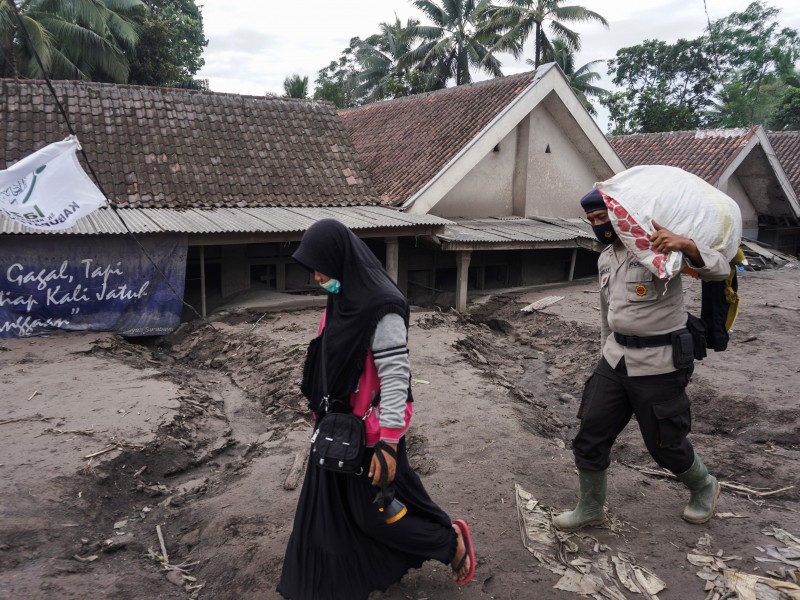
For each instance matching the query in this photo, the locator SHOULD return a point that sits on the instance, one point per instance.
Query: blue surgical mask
(332, 286)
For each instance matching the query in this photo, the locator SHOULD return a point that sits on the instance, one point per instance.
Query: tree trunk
(538, 56)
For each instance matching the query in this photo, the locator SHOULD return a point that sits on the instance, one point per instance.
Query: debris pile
(600, 575)
(723, 581)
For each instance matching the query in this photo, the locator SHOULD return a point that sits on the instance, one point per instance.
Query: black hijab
(367, 294)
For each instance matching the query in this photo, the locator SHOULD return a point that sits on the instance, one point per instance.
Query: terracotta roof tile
(403, 143)
(787, 148)
(161, 147)
(706, 153)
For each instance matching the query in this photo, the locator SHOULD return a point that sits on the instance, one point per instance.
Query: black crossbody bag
(339, 440)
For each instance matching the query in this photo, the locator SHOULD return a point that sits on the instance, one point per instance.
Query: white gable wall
(733, 187)
(486, 191)
(556, 180)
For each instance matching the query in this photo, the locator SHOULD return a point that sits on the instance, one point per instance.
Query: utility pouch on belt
(682, 349)
(698, 330)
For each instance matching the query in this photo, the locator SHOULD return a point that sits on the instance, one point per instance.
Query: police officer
(645, 366)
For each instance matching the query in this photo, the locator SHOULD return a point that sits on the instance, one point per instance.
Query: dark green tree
(337, 82)
(754, 56)
(171, 47)
(385, 69)
(75, 39)
(295, 86)
(665, 87)
(787, 112)
(521, 18)
(459, 39)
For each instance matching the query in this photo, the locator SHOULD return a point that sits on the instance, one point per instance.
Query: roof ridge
(175, 90)
(719, 132)
(447, 90)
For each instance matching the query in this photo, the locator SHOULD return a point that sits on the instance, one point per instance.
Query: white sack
(676, 200)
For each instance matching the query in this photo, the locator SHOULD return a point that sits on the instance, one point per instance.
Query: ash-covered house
(740, 162)
(507, 160)
(784, 229)
(218, 188)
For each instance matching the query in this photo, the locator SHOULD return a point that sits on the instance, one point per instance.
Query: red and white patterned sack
(676, 200)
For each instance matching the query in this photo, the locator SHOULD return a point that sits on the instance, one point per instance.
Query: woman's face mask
(332, 286)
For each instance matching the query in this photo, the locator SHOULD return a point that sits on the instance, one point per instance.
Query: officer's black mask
(605, 233)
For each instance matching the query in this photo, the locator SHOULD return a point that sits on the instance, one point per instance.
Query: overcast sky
(255, 44)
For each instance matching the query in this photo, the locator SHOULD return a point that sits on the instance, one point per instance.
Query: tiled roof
(787, 148)
(173, 148)
(706, 153)
(403, 143)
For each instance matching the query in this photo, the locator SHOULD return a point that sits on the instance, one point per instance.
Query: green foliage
(332, 92)
(460, 38)
(295, 86)
(385, 68)
(337, 82)
(787, 111)
(522, 17)
(75, 39)
(666, 87)
(171, 46)
(738, 75)
(755, 57)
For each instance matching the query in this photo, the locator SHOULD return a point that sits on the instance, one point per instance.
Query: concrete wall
(486, 191)
(557, 179)
(735, 190)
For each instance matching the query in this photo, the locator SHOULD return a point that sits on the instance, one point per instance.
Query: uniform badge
(641, 290)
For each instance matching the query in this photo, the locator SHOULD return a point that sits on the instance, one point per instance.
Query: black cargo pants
(660, 404)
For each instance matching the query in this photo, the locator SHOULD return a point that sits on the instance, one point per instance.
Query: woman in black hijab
(341, 548)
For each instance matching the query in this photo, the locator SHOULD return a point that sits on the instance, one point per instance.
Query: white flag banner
(49, 189)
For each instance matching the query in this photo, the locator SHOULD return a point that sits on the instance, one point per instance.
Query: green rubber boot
(704, 490)
(591, 501)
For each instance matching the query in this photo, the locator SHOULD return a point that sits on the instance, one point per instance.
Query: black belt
(648, 341)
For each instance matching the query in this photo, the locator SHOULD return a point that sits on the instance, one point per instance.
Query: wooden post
(203, 281)
(572, 263)
(462, 280)
(392, 257)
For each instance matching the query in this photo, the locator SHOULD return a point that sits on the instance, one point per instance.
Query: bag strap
(325, 395)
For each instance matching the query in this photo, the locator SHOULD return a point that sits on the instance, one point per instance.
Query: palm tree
(580, 80)
(75, 39)
(522, 17)
(460, 37)
(295, 87)
(386, 71)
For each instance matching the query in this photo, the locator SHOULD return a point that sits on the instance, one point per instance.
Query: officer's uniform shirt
(633, 301)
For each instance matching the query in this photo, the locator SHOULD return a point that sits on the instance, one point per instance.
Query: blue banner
(90, 283)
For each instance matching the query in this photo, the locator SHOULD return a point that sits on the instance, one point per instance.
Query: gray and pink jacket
(387, 371)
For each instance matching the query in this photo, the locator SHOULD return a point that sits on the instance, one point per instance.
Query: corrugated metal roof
(531, 232)
(229, 220)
